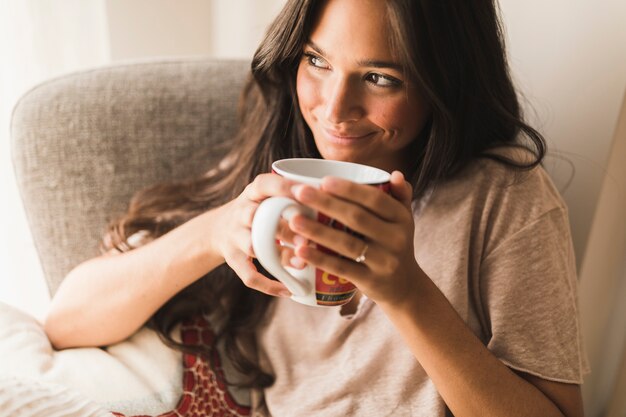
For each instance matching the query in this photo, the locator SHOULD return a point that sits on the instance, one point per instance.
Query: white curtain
(39, 39)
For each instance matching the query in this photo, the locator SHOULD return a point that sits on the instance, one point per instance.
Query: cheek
(307, 91)
(405, 119)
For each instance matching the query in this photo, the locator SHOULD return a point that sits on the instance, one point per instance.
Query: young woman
(466, 278)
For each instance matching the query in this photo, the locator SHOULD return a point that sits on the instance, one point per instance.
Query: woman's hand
(234, 242)
(386, 223)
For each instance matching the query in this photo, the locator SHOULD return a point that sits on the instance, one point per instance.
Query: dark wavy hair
(454, 50)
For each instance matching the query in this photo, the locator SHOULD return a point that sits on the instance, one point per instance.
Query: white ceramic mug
(310, 286)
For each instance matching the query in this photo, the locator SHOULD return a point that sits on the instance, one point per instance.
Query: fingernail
(299, 240)
(329, 182)
(296, 225)
(296, 188)
(284, 293)
(302, 191)
(297, 262)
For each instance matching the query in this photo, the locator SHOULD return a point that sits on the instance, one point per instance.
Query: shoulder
(488, 202)
(487, 184)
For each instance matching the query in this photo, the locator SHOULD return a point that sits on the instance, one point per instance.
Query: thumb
(400, 188)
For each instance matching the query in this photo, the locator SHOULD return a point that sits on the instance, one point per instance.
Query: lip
(346, 136)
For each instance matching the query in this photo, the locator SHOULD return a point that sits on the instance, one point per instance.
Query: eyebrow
(362, 63)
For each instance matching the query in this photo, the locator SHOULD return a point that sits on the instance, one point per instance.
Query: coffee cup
(311, 286)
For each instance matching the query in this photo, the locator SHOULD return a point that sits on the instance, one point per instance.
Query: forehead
(358, 28)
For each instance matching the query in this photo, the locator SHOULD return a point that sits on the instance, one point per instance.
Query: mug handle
(264, 226)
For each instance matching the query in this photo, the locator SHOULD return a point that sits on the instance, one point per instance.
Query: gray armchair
(85, 142)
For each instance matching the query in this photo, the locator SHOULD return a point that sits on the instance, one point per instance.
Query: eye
(380, 80)
(316, 61)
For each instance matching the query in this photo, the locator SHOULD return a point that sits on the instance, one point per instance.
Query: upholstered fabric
(82, 144)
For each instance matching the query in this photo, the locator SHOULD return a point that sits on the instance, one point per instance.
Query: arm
(471, 380)
(106, 299)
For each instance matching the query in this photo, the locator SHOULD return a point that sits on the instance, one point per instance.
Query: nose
(343, 101)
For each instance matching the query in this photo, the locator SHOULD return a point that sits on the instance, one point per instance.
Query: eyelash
(390, 82)
(310, 57)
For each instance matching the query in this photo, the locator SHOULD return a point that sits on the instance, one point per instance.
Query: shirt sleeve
(528, 289)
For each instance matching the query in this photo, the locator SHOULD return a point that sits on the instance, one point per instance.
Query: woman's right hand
(90, 310)
(232, 232)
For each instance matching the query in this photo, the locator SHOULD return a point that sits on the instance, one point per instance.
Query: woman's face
(352, 92)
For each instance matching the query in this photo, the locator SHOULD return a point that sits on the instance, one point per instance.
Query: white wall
(239, 25)
(151, 28)
(569, 58)
(174, 28)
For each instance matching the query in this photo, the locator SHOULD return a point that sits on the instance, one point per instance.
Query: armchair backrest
(83, 143)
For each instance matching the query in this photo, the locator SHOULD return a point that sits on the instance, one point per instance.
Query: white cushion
(138, 376)
(29, 398)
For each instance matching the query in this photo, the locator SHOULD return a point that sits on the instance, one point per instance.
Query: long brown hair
(454, 50)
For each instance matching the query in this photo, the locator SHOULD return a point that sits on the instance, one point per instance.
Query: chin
(342, 156)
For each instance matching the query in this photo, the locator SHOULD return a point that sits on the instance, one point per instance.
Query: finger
(247, 214)
(401, 189)
(334, 265)
(287, 240)
(370, 197)
(284, 233)
(268, 185)
(251, 278)
(337, 241)
(285, 253)
(297, 263)
(242, 240)
(288, 258)
(353, 216)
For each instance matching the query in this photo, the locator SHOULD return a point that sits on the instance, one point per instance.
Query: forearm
(106, 299)
(471, 380)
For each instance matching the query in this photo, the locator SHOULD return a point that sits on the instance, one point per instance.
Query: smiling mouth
(343, 136)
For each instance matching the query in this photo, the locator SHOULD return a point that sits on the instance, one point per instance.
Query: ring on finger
(361, 258)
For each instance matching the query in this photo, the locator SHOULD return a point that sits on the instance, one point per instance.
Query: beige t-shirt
(497, 243)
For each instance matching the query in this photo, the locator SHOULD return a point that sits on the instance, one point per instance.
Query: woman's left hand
(386, 224)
